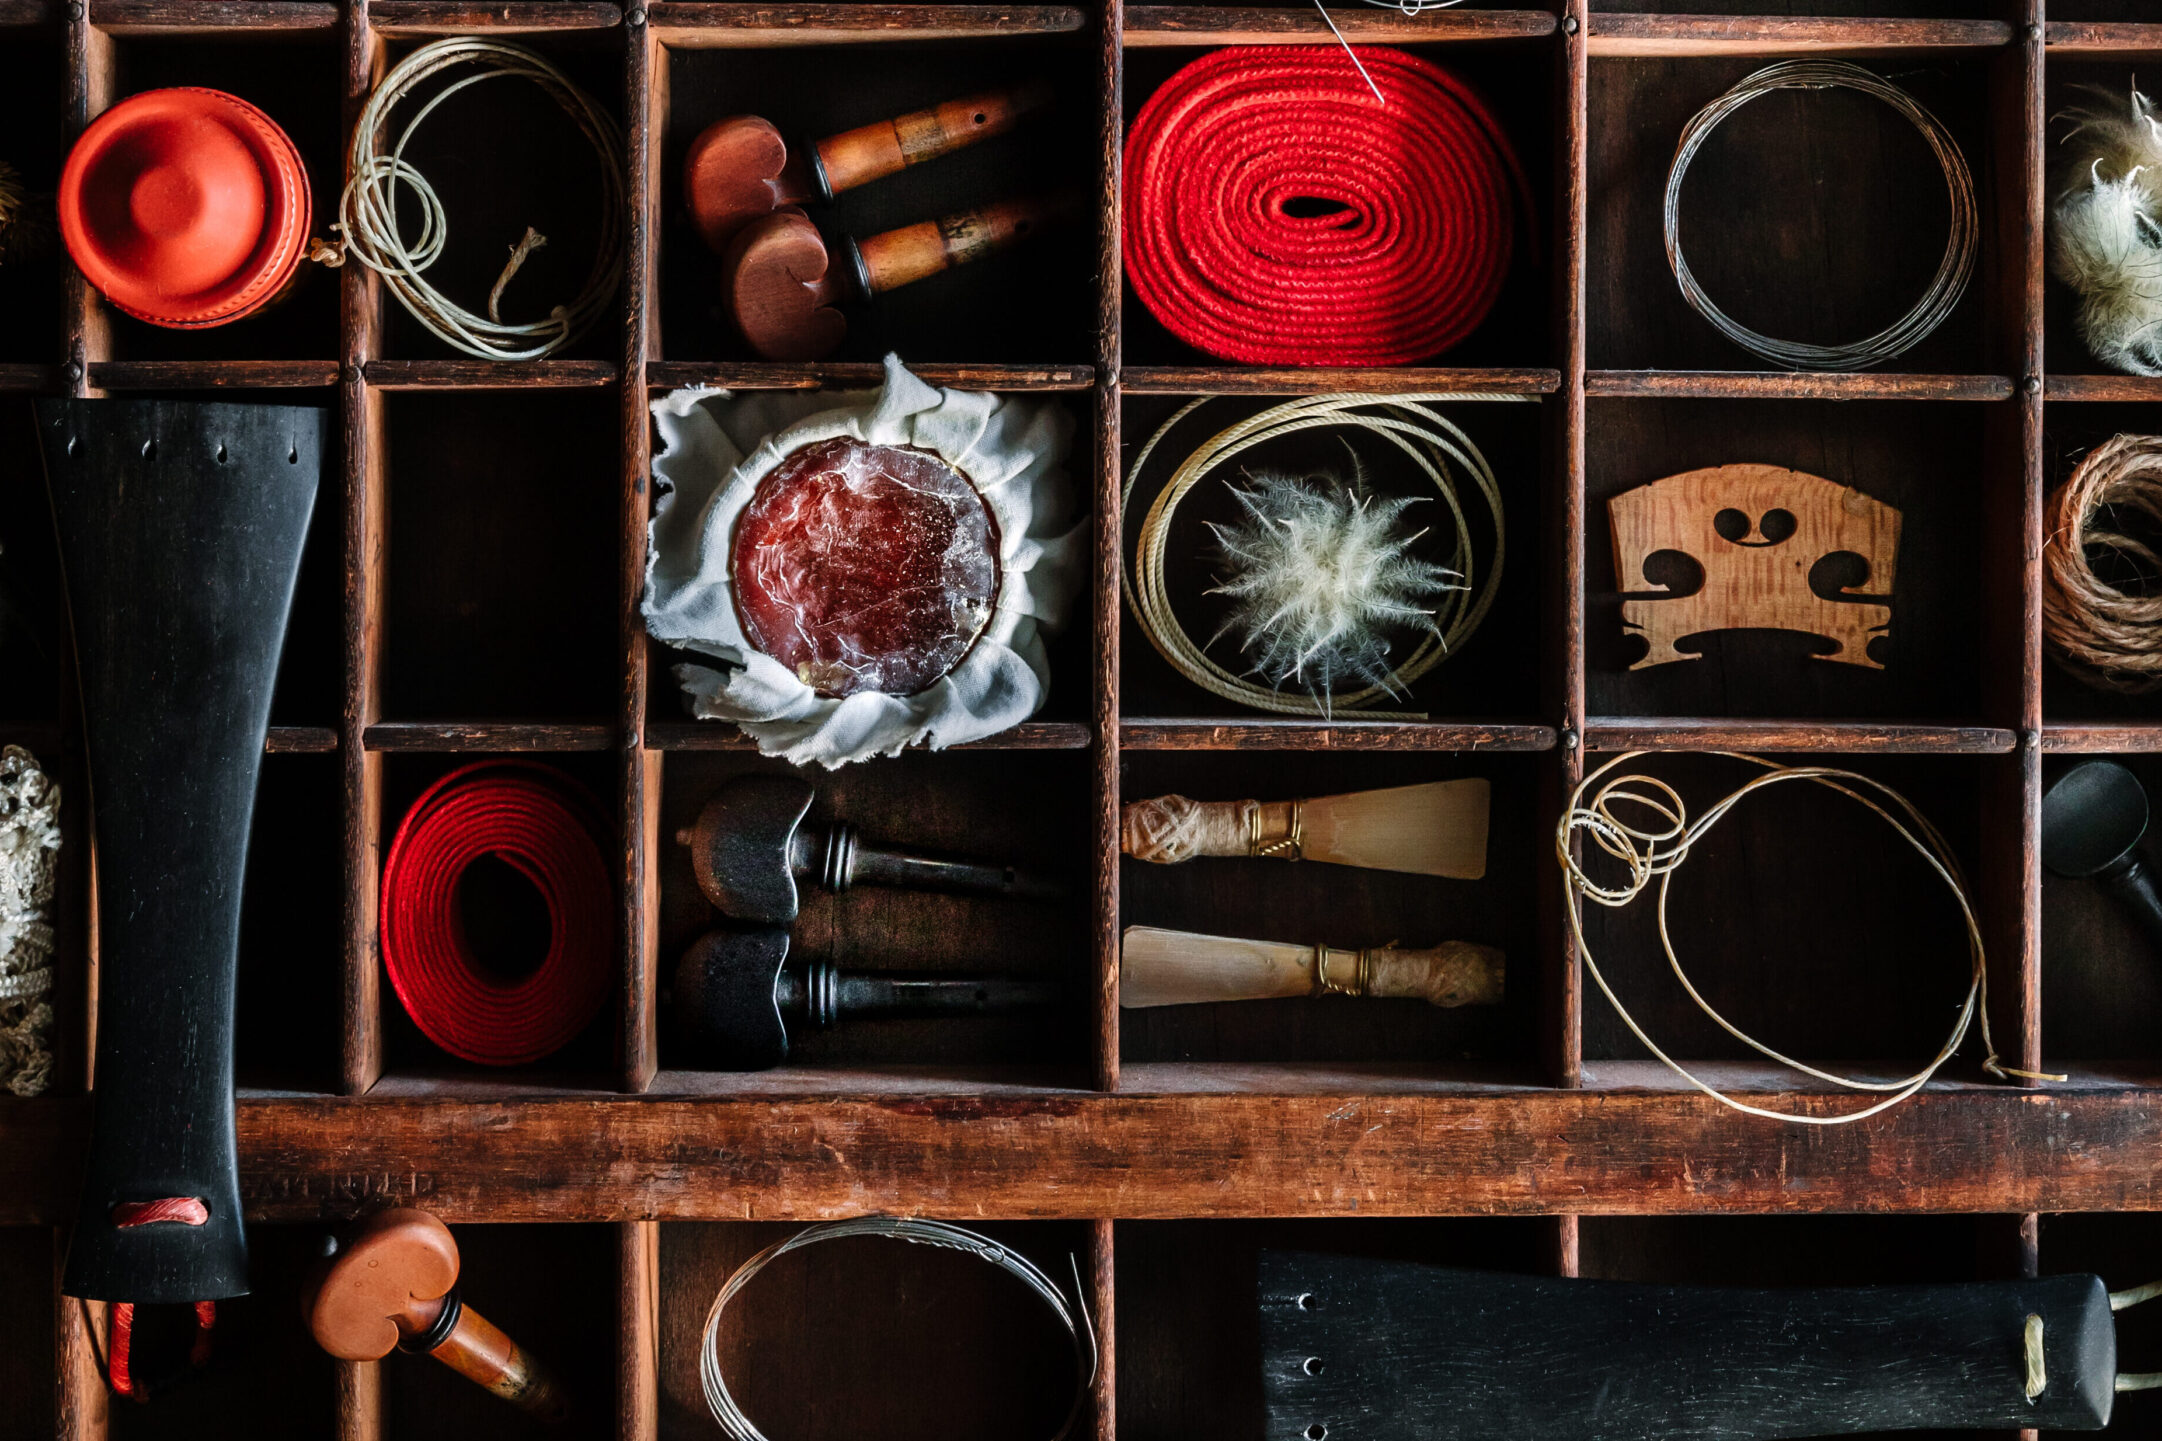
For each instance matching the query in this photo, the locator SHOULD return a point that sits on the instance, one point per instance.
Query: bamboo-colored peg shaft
(479, 1351)
(740, 168)
(887, 147)
(894, 258)
(782, 287)
(1177, 968)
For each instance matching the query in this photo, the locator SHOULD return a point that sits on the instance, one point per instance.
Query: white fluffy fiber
(2106, 229)
(1320, 574)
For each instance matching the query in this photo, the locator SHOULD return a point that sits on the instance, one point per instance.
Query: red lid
(185, 207)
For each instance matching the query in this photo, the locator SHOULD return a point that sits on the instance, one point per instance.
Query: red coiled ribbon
(541, 823)
(1228, 162)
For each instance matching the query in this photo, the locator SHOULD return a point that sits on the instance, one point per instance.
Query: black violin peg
(751, 847)
(737, 994)
(2093, 817)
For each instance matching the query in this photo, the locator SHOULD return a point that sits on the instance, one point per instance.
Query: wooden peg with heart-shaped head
(741, 169)
(392, 1284)
(782, 284)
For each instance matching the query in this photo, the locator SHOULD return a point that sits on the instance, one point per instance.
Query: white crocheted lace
(29, 851)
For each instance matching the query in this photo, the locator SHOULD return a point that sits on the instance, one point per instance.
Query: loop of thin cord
(2118, 1301)
(1411, 261)
(1081, 1332)
(1656, 849)
(533, 819)
(1433, 443)
(1961, 244)
(120, 1316)
(368, 208)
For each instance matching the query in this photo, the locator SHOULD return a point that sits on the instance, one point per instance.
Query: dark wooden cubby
(470, 590)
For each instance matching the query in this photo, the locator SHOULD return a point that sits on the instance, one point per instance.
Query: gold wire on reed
(1659, 839)
(2109, 638)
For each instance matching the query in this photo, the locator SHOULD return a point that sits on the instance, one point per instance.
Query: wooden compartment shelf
(470, 591)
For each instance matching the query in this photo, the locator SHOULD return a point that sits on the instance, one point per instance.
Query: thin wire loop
(1079, 1328)
(1433, 442)
(368, 207)
(1642, 822)
(1961, 244)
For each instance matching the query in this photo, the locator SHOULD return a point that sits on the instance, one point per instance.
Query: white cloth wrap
(717, 446)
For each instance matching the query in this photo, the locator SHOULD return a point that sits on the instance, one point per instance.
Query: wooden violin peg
(393, 1285)
(781, 285)
(740, 169)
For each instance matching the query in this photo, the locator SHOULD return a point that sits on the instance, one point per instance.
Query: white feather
(2106, 230)
(1321, 576)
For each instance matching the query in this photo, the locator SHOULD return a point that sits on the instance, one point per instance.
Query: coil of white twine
(1656, 849)
(368, 208)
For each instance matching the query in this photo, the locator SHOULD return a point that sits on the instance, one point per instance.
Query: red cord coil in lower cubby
(545, 826)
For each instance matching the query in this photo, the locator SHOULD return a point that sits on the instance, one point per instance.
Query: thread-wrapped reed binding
(1278, 213)
(2108, 636)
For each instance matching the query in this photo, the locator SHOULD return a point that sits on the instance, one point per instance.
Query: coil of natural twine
(2109, 637)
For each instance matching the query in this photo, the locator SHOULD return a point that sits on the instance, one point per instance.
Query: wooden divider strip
(639, 814)
(363, 488)
(1104, 575)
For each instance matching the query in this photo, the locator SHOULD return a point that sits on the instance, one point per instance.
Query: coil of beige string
(1437, 448)
(1658, 839)
(2107, 635)
(368, 207)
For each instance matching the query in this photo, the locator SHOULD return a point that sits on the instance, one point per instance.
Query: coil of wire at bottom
(1080, 1330)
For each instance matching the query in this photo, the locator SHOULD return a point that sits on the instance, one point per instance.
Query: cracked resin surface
(865, 567)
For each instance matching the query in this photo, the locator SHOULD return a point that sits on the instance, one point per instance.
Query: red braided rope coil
(120, 1334)
(536, 820)
(1409, 265)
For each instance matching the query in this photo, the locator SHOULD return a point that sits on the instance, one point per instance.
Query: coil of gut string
(1641, 821)
(368, 215)
(1323, 578)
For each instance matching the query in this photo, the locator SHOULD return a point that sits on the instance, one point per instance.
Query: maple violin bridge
(1757, 531)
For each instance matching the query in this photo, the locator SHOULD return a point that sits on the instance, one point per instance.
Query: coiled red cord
(1228, 161)
(541, 823)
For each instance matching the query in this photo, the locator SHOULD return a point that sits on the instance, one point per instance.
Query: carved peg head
(742, 847)
(738, 170)
(780, 289)
(386, 1281)
(727, 999)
